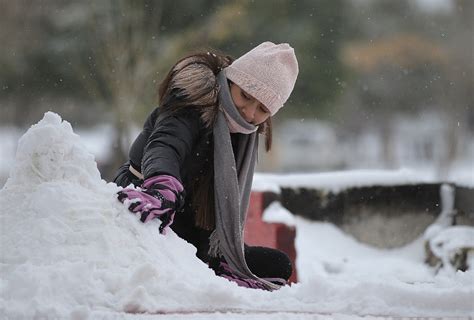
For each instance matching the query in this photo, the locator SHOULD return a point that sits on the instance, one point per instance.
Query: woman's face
(252, 110)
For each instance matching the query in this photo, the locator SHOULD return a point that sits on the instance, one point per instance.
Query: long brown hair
(192, 82)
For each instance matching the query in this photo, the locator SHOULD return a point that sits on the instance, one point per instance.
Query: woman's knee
(268, 262)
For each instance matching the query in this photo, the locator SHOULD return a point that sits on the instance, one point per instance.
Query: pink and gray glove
(160, 197)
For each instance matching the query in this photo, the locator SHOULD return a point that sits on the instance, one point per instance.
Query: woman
(195, 158)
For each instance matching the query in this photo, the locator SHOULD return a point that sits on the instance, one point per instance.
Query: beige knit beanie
(267, 72)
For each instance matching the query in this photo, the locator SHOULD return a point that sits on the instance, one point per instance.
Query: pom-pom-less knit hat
(267, 72)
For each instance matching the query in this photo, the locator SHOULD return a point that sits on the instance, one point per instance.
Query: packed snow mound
(451, 241)
(68, 246)
(69, 249)
(51, 151)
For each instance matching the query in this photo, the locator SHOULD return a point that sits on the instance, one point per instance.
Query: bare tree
(118, 69)
(458, 100)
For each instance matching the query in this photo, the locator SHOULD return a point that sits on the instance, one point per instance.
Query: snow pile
(69, 249)
(50, 151)
(451, 241)
(68, 246)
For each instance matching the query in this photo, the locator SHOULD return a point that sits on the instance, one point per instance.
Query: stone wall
(382, 216)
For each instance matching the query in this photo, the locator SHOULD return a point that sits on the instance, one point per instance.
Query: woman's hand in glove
(160, 197)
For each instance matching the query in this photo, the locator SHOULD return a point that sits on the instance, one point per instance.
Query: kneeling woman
(195, 158)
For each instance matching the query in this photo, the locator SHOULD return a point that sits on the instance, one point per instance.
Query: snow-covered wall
(379, 207)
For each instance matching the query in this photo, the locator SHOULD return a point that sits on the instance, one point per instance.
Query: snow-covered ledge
(384, 208)
(341, 180)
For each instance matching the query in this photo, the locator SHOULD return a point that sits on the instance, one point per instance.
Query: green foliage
(113, 54)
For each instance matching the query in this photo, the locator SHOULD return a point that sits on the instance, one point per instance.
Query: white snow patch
(449, 241)
(463, 176)
(50, 151)
(393, 279)
(276, 213)
(337, 181)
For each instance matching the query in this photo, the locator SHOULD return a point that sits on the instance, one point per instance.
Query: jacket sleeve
(170, 143)
(138, 146)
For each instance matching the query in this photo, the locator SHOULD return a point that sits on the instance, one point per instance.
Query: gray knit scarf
(232, 185)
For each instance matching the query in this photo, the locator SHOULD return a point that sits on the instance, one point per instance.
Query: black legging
(263, 262)
(268, 263)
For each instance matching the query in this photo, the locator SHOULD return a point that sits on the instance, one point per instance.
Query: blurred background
(383, 84)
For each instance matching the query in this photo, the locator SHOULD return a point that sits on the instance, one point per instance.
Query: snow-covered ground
(69, 249)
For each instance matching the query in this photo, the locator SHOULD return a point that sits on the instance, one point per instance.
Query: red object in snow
(273, 235)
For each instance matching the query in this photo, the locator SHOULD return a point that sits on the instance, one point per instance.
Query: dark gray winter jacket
(179, 145)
